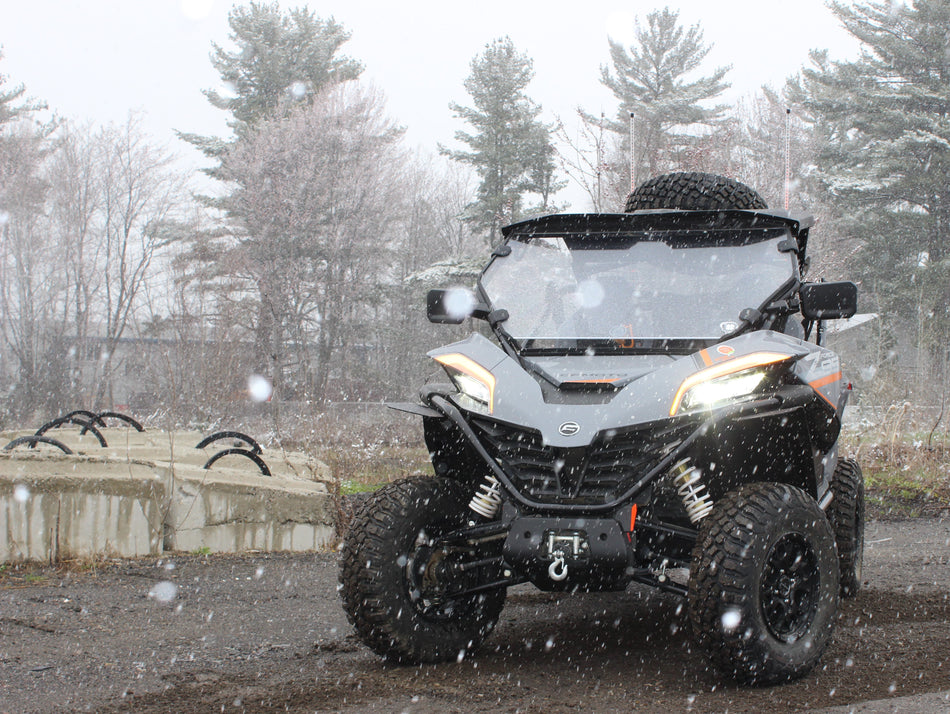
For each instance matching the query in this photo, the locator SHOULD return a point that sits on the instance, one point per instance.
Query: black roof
(593, 223)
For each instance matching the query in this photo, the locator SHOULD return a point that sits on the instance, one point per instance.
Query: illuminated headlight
(725, 389)
(724, 382)
(476, 384)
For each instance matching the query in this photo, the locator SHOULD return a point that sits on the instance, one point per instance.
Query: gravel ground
(262, 633)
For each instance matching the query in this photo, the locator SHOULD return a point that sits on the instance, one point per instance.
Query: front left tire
(763, 588)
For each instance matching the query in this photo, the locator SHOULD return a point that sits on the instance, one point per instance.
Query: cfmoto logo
(569, 428)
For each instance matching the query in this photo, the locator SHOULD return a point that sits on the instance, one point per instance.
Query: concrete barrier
(147, 493)
(229, 511)
(179, 448)
(58, 507)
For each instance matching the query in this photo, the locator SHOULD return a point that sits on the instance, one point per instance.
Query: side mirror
(452, 306)
(829, 301)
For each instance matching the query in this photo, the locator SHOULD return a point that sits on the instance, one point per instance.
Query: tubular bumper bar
(441, 404)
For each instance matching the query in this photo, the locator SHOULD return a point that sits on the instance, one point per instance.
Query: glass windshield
(632, 287)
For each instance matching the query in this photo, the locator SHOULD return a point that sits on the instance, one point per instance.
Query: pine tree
(653, 80)
(280, 60)
(8, 109)
(509, 146)
(284, 65)
(884, 121)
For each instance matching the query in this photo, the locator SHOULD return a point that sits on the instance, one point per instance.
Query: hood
(643, 387)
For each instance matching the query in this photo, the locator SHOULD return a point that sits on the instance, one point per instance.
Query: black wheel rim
(790, 588)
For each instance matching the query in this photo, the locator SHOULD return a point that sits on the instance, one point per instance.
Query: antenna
(600, 159)
(788, 153)
(633, 156)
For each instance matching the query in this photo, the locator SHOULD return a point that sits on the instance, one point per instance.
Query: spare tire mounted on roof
(693, 191)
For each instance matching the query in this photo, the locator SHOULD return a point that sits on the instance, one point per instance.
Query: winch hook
(557, 570)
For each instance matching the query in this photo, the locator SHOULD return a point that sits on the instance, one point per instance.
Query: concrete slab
(230, 511)
(176, 448)
(60, 507)
(146, 493)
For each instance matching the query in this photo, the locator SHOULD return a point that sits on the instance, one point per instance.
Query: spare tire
(693, 191)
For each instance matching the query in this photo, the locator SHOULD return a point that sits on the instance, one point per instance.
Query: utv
(651, 410)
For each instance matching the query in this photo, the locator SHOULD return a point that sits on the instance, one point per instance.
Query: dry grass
(30, 573)
(904, 452)
(905, 456)
(905, 479)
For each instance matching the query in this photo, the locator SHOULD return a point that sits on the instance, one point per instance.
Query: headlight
(724, 382)
(708, 394)
(474, 382)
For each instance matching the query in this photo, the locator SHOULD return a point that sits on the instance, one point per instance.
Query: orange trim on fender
(823, 382)
(830, 379)
(633, 516)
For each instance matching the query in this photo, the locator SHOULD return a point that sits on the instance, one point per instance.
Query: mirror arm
(481, 311)
(496, 317)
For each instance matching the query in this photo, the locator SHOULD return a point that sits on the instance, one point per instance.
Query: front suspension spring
(487, 499)
(696, 499)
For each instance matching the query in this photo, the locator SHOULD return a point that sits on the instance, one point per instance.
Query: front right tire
(397, 577)
(763, 587)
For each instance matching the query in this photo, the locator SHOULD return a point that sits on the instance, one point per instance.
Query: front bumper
(618, 466)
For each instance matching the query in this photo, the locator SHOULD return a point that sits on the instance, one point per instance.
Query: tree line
(307, 260)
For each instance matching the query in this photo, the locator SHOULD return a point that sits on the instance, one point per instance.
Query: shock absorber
(487, 498)
(695, 497)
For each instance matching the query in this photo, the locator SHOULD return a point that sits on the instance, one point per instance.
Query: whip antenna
(788, 153)
(633, 157)
(600, 159)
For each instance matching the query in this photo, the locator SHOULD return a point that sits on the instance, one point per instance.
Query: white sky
(95, 60)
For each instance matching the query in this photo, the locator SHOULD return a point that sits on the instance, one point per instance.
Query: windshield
(633, 287)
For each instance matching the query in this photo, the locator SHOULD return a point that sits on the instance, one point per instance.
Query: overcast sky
(95, 60)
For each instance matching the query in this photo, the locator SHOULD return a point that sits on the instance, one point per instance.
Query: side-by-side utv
(655, 407)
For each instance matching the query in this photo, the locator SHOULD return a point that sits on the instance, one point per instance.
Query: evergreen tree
(280, 60)
(9, 110)
(509, 146)
(653, 79)
(884, 122)
(283, 65)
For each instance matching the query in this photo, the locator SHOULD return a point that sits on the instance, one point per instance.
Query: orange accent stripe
(831, 378)
(824, 381)
(705, 355)
(633, 516)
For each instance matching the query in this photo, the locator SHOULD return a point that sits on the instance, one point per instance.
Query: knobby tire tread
(693, 191)
(846, 514)
(367, 592)
(718, 575)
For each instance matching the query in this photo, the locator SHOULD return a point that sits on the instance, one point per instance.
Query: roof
(558, 223)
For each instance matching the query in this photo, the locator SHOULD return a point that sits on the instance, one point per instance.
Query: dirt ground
(266, 633)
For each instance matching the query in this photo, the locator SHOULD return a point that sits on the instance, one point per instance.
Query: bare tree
(315, 206)
(139, 196)
(74, 204)
(30, 289)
